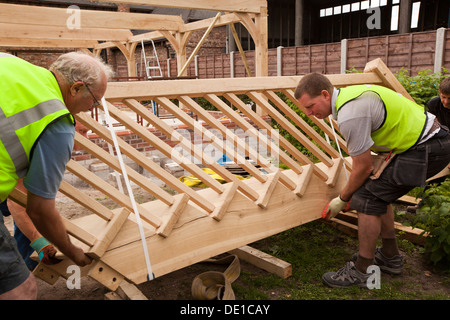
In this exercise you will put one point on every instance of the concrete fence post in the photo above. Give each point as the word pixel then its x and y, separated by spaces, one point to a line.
pixel 196 65
pixel 440 49
pixel 279 61
pixel 232 64
pixel 344 44
pixel 168 67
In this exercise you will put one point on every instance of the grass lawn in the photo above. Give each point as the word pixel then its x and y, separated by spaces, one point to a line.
pixel 316 248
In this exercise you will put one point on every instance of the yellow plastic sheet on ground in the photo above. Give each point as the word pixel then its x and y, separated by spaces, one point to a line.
pixel 193 181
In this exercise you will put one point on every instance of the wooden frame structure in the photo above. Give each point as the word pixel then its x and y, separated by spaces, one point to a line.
pixel 194 225
pixel 33 26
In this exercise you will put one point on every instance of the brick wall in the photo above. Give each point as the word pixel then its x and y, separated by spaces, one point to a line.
pixel 37 56
pixel 215 44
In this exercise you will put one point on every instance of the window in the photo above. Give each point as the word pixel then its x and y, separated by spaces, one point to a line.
pixel 415 15
pixel 364 5
pixel 394 18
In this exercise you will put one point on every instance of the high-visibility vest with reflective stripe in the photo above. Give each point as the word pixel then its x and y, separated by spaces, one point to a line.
pixel 404 121
pixel 30 100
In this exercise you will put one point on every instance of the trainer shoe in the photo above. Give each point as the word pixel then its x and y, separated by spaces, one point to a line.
pixel 392 265
pixel 345 277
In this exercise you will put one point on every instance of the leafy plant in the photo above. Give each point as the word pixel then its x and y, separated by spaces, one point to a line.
pixel 422 87
pixel 434 218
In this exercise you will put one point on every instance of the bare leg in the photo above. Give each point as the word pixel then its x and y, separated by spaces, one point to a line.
pixel 387 223
pixel 26 291
pixel 369 228
pixel 390 246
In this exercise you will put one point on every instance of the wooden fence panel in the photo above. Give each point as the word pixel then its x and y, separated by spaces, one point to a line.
pixel 413 51
pixel 446 59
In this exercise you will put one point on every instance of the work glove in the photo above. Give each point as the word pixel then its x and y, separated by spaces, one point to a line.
pixel 45 250
pixel 334 207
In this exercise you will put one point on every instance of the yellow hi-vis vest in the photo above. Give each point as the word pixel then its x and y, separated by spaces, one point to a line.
pixel 30 100
pixel 404 121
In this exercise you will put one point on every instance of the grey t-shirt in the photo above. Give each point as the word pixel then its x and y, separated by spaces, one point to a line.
pixel 357 122
pixel 50 156
pixel 360 118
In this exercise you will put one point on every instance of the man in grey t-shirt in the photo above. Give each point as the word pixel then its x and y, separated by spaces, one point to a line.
pixel 367 122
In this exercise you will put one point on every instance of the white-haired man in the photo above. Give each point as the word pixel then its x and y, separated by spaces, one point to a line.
pixel 36 116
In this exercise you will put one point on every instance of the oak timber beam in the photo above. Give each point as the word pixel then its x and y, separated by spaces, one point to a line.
pixel 21 31
pixel 153 35
pixel 107 45
pixel 388 79
pixel 46 16
pixel 241 50
pixel 223 20
pixel 261 44
pixel 147 90
pixel 264 261
pixel 46 43
pixel 214 5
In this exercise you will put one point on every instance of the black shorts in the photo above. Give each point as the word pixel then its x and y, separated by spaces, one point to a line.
pixel 406 171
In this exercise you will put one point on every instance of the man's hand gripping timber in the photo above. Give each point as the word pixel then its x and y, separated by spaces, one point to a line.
pixel 334 207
